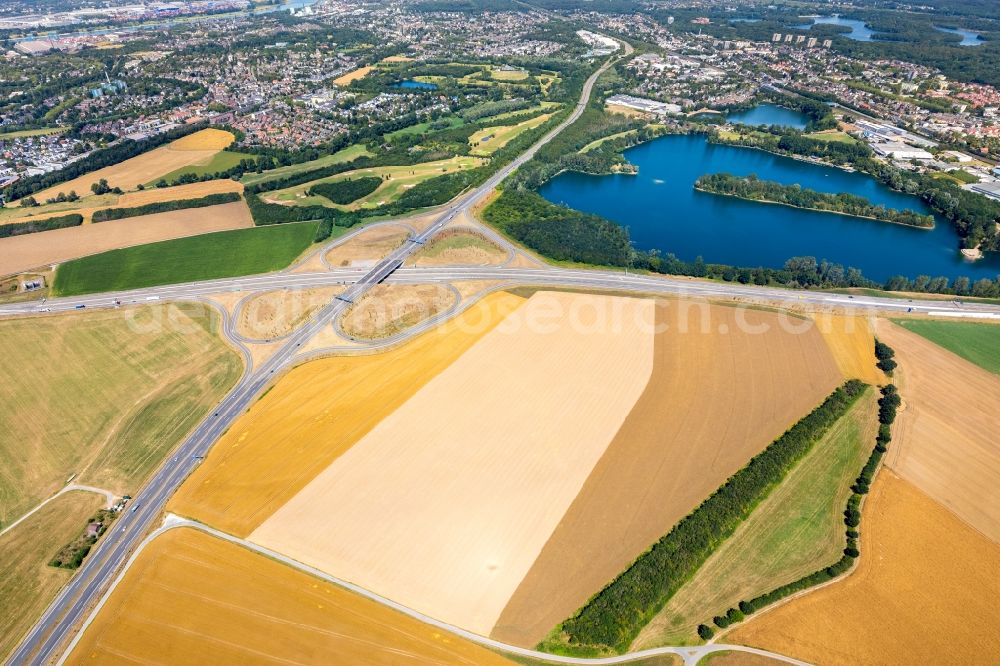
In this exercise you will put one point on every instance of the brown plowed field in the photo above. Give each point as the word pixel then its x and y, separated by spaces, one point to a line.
pixel 368 247
pixel 21 253
pixel 925 592
pixel 277 313
pixel 390 309
pixel 714 400
pixel 948 444
pixel 194 599
pixel 188 150
pixel 314 414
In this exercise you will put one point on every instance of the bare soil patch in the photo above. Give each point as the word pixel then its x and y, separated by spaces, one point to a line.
pixel 21 253
pixel 924 592
pixel 368 247
pixel 947 432
pixel 277 313
pixel 714 400
pixel 390 309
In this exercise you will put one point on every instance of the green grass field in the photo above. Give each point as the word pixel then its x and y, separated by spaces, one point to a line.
pixel 975 342
pixel 596 143
pixel 957 176
pixel 206 257
pixel 542 107
pixel 491 139
pixel 27 583
pixel 345 155
pixel 833 135
pixel 102 395
pixel 795 531
pixel 221 161
pixel 422 128
pixel 35 132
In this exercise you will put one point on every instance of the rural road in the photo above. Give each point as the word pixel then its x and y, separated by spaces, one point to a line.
pixel 63 617
pixel 690 654
pixel 109 498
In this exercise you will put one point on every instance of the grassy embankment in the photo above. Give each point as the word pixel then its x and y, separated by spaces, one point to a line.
pixel 206 257
pixel 975 342
pixel 491 139
pixel 795 531
pixel 345 155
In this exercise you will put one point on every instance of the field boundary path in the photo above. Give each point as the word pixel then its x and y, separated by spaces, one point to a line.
pixel 108 495
pixel 690 654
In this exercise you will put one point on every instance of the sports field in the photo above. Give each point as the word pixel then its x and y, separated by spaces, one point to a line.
pixel 456 545
pixel 797 530
pixel 21 253
pixel 345 155
pixel 127 386
pixel 204 257
pixel 191 149
pixel 491 139
pixel 27 583
pixel 192 598
pixel 718 394
pixel 315 413
pixel 397 179
pixel 924 592
pixel 975 342
pixel 945 439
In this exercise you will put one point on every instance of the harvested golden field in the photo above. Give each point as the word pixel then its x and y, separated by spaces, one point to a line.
pixel 946 433
pixel 352 76
pixel 315 413
pixel 188 150
pixel 368 247
pixel 924 592
pixel 193 598
pixel 467 479
pixel 27 583
pixel 719 393
pixel 103 395
pixel 390 309
pixel 852 341
pixel 278 313
pixel 459 247
pixel 21 253
pixel 737 658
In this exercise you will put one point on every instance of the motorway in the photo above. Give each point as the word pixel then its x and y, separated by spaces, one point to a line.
pixel 57 625
pixel 41 644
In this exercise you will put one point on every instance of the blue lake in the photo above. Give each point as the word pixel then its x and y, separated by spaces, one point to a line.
pixel 663 211
pixel 416 85
pixel 859 31
pixel 769 114
pixel 969 38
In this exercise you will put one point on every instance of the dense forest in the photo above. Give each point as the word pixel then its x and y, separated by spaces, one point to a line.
pixel 752 188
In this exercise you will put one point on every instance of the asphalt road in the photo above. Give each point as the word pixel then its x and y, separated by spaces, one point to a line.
pixel 64 615
pixel 56 625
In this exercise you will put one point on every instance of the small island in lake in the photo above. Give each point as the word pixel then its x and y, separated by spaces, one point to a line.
pixel 752 188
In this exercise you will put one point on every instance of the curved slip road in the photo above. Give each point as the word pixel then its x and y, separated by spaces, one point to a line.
pixel 41 644
pixel 691 655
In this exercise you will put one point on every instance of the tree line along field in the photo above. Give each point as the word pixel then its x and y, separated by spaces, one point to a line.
pixel 27 583
pixel 346 155
pixel 221 161
pixel 491 139
pixel 203 257
pixel 191 597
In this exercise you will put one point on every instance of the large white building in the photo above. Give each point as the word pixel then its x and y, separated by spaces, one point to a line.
pixel 644 105
pixel 901 151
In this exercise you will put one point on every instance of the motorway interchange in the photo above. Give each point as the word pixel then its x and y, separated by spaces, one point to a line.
pixel 47 640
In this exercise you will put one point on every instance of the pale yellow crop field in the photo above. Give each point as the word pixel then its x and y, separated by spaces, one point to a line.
pixel 188 150
pixel 314 414
pixel 352 76
pixel 194 599
pixel 852 341
pixel 467 479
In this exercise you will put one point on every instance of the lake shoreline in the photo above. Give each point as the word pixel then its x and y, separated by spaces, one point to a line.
pixel 815 210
